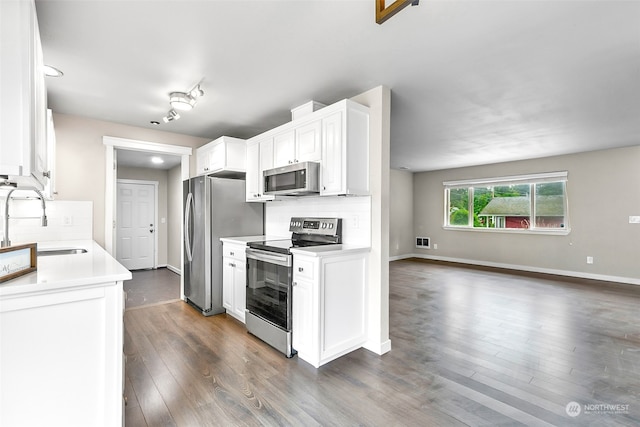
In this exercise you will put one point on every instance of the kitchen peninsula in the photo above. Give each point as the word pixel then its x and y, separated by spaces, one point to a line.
pixel 62 337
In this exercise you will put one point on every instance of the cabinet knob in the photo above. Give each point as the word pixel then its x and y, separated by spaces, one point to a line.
pixel 46 174
pixel 231 264
pixel 300 269
pixel 231 253
pixel 294 283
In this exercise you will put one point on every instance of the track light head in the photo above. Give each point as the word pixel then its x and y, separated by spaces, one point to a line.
pixel 171 116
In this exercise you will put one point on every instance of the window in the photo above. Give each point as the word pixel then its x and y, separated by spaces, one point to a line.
pixel 525 203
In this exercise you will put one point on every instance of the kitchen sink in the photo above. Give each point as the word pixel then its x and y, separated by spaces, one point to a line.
pixel 61 251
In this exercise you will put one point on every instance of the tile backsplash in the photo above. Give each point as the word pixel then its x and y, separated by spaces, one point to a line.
pixel 354 211
pixel 67 220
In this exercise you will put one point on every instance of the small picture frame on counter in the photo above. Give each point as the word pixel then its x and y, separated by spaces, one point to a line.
pixel 18 260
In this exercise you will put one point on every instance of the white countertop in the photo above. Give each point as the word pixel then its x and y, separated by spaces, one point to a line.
pixel 243 240
pixel 330 250
pixel 58 272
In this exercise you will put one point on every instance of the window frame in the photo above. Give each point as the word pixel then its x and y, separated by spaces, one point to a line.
pixel 531 179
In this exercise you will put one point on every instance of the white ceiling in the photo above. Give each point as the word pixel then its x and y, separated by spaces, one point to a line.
pixel 142 159
pixel 472 82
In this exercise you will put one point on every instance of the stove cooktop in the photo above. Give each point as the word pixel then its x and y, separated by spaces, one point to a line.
pixel 305 232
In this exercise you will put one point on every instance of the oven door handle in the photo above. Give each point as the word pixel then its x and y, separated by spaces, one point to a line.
pixel 270 257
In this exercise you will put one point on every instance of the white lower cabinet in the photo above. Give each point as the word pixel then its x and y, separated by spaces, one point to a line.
pixel 234 280
pixel 328 305
pixel 63 352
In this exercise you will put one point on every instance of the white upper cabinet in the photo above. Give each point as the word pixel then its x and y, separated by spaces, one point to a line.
pixel 284 148
pixel 309 142
pixel 345 150
pixel 337 136
pixel 300 144
pixel 23 104
pixel 259 158
pixel 223 157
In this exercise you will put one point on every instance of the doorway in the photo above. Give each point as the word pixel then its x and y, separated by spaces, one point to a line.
pixel 136 221
pixel 112 144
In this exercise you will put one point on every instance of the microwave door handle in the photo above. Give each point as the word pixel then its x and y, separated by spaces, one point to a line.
pixel 187 216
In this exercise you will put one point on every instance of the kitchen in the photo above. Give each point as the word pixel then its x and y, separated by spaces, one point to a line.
pixel 79 180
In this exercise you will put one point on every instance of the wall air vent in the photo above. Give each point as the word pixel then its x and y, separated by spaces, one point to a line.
pixel 423 242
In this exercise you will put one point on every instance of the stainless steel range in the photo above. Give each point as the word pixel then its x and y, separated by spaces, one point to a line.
pixel 269 278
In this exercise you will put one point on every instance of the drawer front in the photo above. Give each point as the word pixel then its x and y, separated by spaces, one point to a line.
pixel 234 251
pixel 303 269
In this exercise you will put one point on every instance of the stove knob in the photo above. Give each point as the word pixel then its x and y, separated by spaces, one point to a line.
pixel 330 226
pixel 324 225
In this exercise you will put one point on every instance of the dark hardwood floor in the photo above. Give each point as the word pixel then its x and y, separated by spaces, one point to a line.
pixel 148 287
pixel 469 347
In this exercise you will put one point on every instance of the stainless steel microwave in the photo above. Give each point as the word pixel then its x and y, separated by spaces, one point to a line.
pixel 293 180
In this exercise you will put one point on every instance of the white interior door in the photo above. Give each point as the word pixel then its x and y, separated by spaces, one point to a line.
pixel 135 219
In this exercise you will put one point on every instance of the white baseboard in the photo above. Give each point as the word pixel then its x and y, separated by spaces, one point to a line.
pixel 379 348
pixel 174 269
pixel 567 273
pixel 399 257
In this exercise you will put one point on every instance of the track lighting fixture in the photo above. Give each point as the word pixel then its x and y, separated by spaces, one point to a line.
pixel 183 101
pixel 171 116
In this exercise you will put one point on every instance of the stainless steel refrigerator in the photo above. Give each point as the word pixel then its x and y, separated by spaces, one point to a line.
pixel 213 208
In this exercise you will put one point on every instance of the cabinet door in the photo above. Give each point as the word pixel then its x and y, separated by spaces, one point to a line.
pixel 204 159
pixel 309 142
pixel 239 290
pixel 253 170
pixel 23 104
pixel 302 322
pixel 228 271
pixel 284 149
pixel 217 157
pixel 332 171
pixel 40 145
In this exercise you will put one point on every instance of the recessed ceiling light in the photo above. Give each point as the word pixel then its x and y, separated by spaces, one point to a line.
pixel 157 160
pixel 50 71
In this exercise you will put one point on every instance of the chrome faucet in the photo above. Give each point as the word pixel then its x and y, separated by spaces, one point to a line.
pixel 5 240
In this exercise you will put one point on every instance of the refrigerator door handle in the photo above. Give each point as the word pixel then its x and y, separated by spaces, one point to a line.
pixel 187 215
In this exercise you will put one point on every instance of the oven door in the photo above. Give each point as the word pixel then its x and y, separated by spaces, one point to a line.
pixel 269 287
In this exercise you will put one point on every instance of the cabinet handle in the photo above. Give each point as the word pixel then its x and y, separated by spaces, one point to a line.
pixel 231 253
pixel 300 269
pixel 46 174
pixel 231 264
pixel 324 187
pixel 295 160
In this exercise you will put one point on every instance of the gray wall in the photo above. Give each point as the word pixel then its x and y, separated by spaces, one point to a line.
pixel 603 191
pixel 81 158
pixel 400 214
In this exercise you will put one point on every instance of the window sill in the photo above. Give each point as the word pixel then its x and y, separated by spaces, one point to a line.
pixel 541 231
